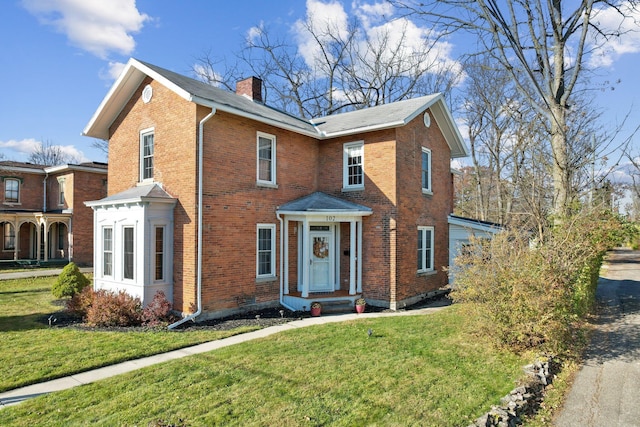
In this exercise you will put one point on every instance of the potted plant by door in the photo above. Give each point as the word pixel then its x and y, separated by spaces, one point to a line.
pixel 316 309
pixel 360 303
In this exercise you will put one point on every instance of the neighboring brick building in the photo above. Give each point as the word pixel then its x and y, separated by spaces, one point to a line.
pixel 226 204
pixel 42 214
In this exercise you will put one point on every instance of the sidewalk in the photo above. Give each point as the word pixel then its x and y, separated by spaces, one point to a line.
pixel 13 397
pixel 38 272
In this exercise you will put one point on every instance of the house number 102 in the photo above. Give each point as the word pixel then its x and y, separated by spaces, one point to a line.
pixel 331 218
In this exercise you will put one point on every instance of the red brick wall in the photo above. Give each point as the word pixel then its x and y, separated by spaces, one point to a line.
pixel 31 191
pixel 417 209
pixel 234 204
pixel 86 186
pixel 175 122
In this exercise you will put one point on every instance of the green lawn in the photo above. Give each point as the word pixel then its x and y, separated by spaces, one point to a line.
pixel 424 370
pixel 32 352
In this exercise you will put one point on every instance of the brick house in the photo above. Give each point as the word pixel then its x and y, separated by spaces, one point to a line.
pixel 42 215
pixel 227 204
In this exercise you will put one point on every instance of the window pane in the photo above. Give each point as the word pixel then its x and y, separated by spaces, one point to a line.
pixel 159 253
pixel 147 156
pixel 354 165
pixel 11 191
pixel 265 159
pixel 428 243
pixel 425 170
pixel 128 253
pixel 420 251
pixel 107 251
pixel 265 255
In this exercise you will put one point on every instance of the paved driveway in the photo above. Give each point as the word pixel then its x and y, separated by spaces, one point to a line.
pixel 606 391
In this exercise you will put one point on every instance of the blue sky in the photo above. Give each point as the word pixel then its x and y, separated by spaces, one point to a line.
pixel 61 56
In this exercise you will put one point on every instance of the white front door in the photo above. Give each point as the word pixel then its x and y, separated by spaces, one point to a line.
pixel 321 271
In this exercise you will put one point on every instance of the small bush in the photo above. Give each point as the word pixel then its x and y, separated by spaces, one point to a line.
pixel 69 282
pixel 158 311
pixel 80 302
pixel 114 309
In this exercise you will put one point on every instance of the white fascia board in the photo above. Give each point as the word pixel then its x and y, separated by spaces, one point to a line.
pixel 381 126
pixel 22 170
pixel 132 201
pixel 64 168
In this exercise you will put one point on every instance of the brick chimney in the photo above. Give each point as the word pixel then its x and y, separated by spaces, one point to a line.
pixel 251 88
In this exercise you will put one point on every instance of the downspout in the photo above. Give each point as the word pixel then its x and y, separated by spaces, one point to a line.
pixel 199 256
pixel 282 233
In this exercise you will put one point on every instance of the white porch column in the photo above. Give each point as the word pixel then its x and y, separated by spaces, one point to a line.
pixel 352 258
pixel 38 241
pixel 360 257
pixel 16 241
pixel 46 241
pixel 305 258
pixel 285 253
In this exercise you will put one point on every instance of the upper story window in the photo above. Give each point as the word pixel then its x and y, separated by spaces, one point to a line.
pixel 60 191
pixel 426 171
pixel 425 249
pixel 353 165
pixel 146 154
pixel 266 146
pixel 11 190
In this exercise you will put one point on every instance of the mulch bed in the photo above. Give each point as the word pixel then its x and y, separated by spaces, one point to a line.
pixel 261 318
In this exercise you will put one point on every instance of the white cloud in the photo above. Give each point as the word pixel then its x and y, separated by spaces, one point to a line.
pixel 113 71
pixel 20 150
pixel 326 20
pixel 207 75
pixel 610 20
pixel 97 26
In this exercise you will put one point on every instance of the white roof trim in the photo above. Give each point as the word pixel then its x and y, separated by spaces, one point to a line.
pixel 474 225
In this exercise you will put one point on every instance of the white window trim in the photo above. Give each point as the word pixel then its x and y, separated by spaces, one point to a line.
pixel 271 227
pixel 273 182
pixel 164 253
pixel 345 165
pixel 104 251
pixel 11 203
pixel 429 189
pixel 144 132
pixel 423 230
pixel 61 197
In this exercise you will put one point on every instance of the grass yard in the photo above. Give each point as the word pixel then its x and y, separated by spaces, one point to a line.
pixel 32 352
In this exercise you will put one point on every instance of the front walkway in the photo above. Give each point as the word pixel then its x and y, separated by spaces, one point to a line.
pixel 13 397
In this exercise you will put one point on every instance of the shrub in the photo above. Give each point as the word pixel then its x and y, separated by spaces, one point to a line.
pixel 69 282
pixel 80 302
pixel 158 311
pixel 114 309
pixel 531 297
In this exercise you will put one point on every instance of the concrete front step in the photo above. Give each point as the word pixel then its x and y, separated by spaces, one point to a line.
pixel 338 306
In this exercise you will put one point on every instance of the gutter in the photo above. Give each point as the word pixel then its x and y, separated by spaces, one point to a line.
pixel 282 233
pixel 199 256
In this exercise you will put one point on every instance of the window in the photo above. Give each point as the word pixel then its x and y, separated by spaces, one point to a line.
pixel 61 191
pixel 9 237
pixel 353 169
pixel 266 158
pixel 107 251
pixel 425 249
pixel 426 170
pixel 146 154
pixel 128 253
pixel 159 254
pixel 12 191
pixel 266 247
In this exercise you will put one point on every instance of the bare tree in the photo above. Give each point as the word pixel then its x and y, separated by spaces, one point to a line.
pixel 48 154
pixel 338 70
pixel 544 46
pixel 101 145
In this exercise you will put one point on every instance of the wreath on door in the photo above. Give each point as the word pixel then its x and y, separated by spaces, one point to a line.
pixel 320 247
